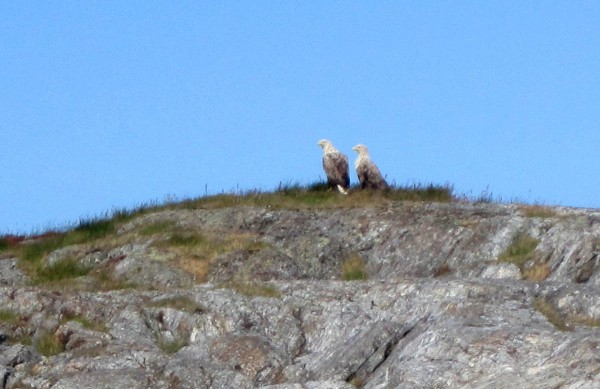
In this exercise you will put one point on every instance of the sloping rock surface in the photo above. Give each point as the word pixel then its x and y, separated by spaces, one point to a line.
pixel 437 310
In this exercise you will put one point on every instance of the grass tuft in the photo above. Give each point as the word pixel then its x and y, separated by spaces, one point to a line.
pixel 61 270
pixel 539 211
pixel 321 196
pixel 48 345
pixel 35 250
pixel 4 245
pixel 585 321
pixel 443 270
pixel 253 289
pixel 357 382
pixel 551 314
pixel 537 272
pixel 10 242
pixel 419 192
pixel 104 281
pixel 86 323
pixel 190 240
pixel 156 228
pixel 9 317
pixel 171 347
pixel 520 251
pixel 195 251
pixel 93 229
pixel 353 268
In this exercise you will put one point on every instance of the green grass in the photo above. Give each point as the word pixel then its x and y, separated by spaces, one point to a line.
pixel 192 240
pixel 319 196
pixel 560 321
pixel 353 269
pixel 10 317
pixel 104 281
pixel 33 251
pixel 84 232
pixel 36 250
pixel 171 347
pixel 94 229
pixel 195 246
pixel 538 211
pixel 23 339
pixel 48 345
pixel 426 193
pixel 253 289
pixel 156 228
pixel 61 270
pixel 585 321
pixel 86 323
pixel 196 251
pixel 520 251
pixel 551 314
pixel 10 242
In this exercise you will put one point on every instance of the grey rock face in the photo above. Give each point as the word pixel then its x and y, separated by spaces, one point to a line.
pixel 10 274
pixel 437 309
pixel 502 271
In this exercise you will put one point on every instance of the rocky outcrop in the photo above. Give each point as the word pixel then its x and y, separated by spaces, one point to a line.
pixel 437 308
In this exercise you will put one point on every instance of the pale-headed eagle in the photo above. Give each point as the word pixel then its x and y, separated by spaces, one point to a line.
pixel 368 174
pixel 335 165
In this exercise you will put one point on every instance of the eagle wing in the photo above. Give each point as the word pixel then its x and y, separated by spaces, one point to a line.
pixel 336 168
pixel 369 176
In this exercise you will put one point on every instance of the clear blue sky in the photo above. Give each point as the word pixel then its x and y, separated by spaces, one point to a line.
pixel 113 104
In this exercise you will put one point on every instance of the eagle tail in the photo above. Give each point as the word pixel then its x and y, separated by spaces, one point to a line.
pixel 342 190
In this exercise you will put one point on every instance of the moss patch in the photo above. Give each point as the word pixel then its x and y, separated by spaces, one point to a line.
pixel 353 268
